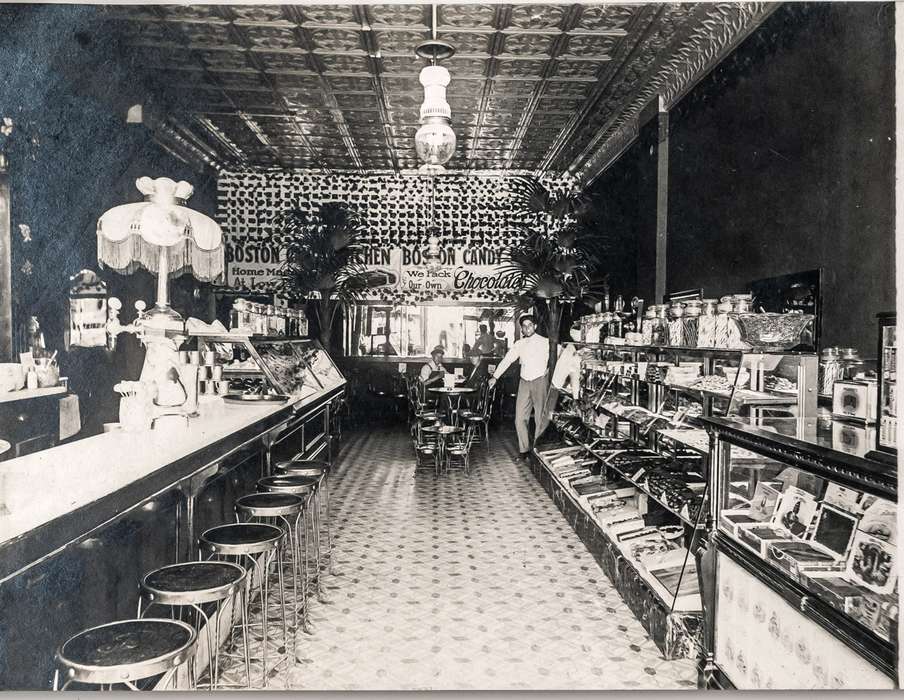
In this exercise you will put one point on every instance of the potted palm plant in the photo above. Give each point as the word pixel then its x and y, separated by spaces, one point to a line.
pixel 557 259
pixel 322 260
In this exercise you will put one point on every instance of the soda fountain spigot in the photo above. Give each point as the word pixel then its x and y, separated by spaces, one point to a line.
pixel 114 327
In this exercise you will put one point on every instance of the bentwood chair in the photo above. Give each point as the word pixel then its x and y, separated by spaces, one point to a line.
pixel 426 448
pixel 458 449
pixel 480 421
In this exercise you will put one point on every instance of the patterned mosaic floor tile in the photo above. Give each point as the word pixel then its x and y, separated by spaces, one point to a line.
pixel 463 582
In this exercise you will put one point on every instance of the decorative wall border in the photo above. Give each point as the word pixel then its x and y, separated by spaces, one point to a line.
pixel 721 28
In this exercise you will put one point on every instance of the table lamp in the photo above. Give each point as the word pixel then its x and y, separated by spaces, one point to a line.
pixel 163 236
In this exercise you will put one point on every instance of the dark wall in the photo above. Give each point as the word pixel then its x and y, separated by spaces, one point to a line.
pixel 71 157
pixel 625 210
pixel 783 160
pixel 71 154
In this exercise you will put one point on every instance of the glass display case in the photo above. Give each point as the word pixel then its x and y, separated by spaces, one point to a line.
pixel 887 408
pixel 260 365
pixel 802 555
pixel 653 398
pixel 636 455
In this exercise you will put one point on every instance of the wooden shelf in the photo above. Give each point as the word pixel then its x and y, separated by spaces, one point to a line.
pixel 25 394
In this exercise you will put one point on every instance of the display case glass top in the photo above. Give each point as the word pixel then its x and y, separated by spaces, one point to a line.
pixel 296 367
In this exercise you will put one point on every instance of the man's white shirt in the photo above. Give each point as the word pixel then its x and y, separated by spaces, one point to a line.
pixel 532 353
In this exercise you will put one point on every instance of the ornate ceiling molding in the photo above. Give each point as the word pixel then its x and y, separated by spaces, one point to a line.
pixel 618 143
pixel 713 36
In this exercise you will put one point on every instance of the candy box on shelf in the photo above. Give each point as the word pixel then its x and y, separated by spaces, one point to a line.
pixel 854 400
pixel 730 520
pixel 834 589
pixel 758 537
pixel 876 612
pixel 798 556
pixel 632 525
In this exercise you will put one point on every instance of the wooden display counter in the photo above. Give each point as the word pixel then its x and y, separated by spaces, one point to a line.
pixel 80 523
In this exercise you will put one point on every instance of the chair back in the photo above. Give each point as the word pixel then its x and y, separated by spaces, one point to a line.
pixel 488 399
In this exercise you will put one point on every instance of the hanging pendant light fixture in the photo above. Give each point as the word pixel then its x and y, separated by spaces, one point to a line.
pixel 435 139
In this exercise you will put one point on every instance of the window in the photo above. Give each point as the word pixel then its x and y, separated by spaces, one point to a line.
pixel 413 331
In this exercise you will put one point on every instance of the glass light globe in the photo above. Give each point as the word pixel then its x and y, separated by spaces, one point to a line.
pixel 435 141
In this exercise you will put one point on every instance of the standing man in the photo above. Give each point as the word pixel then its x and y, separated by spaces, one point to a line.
pixel 532 351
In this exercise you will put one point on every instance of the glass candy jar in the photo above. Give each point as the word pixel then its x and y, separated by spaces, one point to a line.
pixel 676 324
pixel 646 325
pixel 692 311
pixel 706 324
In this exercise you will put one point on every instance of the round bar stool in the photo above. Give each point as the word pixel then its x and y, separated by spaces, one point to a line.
pixel 287 511
pixel 125 653
pixel 190 586
pixel 260 546
pixel 321 468
pixel 306 487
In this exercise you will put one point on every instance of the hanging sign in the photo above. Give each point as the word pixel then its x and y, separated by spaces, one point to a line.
pixel 253 265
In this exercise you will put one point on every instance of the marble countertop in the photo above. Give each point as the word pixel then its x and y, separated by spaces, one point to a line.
pixel 37 488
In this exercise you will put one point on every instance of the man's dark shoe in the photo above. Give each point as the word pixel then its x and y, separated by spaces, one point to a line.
pixel 524 456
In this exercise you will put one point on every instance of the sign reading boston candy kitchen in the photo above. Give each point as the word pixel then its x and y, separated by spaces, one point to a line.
pixel 391 272
pixel 474 212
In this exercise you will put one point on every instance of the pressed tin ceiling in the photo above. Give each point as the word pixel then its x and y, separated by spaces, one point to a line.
pixel 535 87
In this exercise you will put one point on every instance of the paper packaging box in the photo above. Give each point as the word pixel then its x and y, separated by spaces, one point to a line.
pixel 759 537
pixel 854 401
pixel 877 612
pixel 632 525
pixel 731 519
pixel 795 557
pixel 626 491
pixel 836 591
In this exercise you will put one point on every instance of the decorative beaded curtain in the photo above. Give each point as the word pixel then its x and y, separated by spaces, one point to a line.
pixel 473 212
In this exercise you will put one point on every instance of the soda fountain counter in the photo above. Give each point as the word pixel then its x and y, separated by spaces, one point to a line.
pixel 80 522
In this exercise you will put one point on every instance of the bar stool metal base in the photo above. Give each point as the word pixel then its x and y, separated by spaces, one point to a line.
pixel 191 585
pixel 259 546
pixel 312 467
pixel 307 487
pixel 288 512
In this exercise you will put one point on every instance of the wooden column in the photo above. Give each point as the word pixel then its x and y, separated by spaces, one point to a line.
pixel 6 255
pixel 662 204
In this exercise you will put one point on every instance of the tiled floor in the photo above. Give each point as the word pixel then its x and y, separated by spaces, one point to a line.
pixel 464 582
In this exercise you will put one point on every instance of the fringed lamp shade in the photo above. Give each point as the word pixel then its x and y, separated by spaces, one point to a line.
pixel 132 235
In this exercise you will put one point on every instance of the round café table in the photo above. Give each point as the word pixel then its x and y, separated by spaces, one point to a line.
pixel 441 431
pixel 453 395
